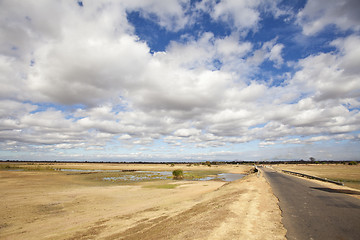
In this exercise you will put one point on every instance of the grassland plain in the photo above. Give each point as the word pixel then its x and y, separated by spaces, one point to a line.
pixel 39 203
pixel 348 174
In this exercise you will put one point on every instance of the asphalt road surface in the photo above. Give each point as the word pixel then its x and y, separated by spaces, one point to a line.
pixel 312 211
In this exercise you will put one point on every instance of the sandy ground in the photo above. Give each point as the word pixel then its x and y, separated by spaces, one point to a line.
pixel 53 205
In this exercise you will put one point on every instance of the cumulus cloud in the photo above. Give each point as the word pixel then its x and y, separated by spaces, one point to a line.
pixel 333 75
pixel 186 132
pixel 87 82
pixel 271 51
pixel 318 14
pixel 169 14
pixel 86 70
pixel 243 14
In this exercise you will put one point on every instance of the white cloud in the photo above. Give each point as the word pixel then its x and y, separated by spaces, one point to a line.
pixel 204 52
pixel 87 82
pixel 86 70
pixel 176 89
pixel 317 14
pixel 186 132
pixel 243 14
pixel 170 14
pixel 349 54
pixel 266 143
pixel 24 25
pixel 331 75
pixel 12 78
pixel 275 54
pixel 269 50
pixel 230 47
pixel 14 110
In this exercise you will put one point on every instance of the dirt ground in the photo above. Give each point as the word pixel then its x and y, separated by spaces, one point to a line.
pixel 54 205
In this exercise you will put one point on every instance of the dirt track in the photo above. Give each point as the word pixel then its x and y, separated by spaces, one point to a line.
pixel 42 205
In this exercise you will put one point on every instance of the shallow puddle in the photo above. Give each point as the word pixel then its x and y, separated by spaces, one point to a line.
pixel 140 176
pixel 86 170
pixel 229 177
pixel 167 175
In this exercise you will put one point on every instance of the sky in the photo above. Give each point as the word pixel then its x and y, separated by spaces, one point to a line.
pixel 177 80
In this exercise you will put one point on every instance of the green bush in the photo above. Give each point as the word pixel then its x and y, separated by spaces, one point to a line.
pixel 207 163
pixel 353 163
pixel 178 174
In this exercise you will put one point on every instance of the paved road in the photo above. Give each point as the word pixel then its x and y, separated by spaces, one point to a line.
pixel 312 211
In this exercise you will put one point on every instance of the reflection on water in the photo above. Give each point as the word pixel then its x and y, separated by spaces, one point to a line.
pixel 136 176
pixel 142 176
pixel 86 170
pixel 229 177
pixel 164 175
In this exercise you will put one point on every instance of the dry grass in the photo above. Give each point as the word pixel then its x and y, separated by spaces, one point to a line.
pixel 349 174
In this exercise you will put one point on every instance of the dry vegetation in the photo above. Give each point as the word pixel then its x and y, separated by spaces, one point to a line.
pixel 348 174
pixel 45 204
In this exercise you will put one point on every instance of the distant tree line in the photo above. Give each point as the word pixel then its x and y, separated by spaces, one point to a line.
pixel 206 163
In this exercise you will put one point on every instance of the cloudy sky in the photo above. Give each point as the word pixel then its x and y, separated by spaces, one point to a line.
pixel 178 80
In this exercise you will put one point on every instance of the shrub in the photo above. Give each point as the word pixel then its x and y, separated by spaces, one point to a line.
pixel 253 170
pixel 353 163
pixel 178 174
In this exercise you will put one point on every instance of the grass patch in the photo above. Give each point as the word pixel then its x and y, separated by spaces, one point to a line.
pixel 200 174
pixel 349 182
pixel 348 174
pixel 25 167
pixel 7 166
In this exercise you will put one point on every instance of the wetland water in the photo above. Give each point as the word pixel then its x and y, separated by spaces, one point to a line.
pixel 229 177
pixel 166 175
pixel 86 170
pixel 140 176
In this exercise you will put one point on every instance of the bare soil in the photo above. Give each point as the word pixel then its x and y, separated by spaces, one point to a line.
pixel 58 205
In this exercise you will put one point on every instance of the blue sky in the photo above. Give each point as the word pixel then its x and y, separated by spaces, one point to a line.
pixel 179 80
